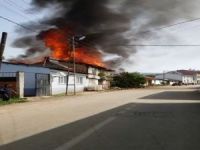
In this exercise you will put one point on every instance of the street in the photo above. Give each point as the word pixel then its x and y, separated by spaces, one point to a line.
pixel 138 119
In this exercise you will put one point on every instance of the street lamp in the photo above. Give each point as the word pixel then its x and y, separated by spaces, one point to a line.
pixel 74 39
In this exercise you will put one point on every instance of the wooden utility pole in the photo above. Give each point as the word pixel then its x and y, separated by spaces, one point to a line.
pixel 2 46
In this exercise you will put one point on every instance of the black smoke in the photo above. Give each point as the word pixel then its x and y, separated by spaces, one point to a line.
pixel 107 24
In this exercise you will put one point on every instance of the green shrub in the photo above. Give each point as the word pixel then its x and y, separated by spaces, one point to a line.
pixel 128 80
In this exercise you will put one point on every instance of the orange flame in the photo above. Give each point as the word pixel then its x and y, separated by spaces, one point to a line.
pixel 58 41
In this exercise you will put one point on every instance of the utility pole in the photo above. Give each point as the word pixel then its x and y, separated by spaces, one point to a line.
pixel 2 46
pixel 67 82
pixel 74 39
pixel 74 62
pixel 164 76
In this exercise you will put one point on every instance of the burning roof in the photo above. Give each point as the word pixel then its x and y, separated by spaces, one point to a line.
pixel 68 66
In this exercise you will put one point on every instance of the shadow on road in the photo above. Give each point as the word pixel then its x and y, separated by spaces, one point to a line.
pixel 136 126
pixel 175 95
pixel 52 139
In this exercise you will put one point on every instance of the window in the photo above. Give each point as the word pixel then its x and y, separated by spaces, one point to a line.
pixel 62 80
pixel 94 71
pixel 79 80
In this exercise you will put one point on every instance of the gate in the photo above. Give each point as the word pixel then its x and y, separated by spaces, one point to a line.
pixel 43 86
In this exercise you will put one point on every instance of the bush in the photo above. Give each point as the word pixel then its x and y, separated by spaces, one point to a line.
pixel 128 80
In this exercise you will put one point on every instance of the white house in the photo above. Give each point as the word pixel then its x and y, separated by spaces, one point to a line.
pixel 59 82
pixel 198 77
pixel 188 76
pixel 87 77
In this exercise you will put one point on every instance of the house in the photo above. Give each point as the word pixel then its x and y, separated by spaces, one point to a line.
pixel 188 76
pixel 170 77
pixel 32 76
pixel 52 78
pixel 198 77
pixel 149 81
pixel 179 76
pixel 87 77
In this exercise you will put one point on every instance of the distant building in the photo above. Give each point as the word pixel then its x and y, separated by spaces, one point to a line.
pixel 198 77
pixel 180 76
pixel 188 76
pixel 150 81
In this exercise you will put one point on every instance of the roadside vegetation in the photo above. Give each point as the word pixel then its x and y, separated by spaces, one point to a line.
pixel 128 80
pixel 12 101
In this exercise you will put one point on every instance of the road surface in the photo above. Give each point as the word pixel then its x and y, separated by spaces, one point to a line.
pixel 153 119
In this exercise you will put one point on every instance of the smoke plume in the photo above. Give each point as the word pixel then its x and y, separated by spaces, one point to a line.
pixel 109 25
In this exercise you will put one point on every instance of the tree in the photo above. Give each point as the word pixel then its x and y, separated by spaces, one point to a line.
pixel 128 80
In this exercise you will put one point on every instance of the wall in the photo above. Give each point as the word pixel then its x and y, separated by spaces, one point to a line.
pixel 188 79
pixel 60 88
pixel 93 79
pixel 198 78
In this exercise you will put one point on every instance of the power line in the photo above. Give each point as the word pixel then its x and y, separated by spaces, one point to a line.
pixel 155 45
pixel 14 11
pixel 15 5
pixel 160 28
pixel 131 45
pixel 22 26
pixel 172 25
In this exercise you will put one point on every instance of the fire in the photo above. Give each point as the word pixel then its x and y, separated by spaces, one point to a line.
pixel 58 41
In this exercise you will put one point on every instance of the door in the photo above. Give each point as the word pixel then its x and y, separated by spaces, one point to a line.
pixel 43 86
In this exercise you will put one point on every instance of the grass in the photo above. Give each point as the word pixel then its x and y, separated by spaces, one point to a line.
pixel 12 101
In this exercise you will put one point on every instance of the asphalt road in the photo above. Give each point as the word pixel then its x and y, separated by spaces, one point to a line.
pixel 158 120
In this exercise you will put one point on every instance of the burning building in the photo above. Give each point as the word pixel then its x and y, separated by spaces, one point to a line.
pixel 53 79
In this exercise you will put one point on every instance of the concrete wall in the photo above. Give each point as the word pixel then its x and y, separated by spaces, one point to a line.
pixel 29 75
pixel 197 78
pixel 60 88
pixel 188 79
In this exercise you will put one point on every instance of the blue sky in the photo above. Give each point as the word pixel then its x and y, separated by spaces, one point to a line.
pixel 147 59
pixel 17 11
pixel 17 14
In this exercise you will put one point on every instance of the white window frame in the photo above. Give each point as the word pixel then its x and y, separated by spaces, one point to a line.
pixel 79 80
pixel 62 80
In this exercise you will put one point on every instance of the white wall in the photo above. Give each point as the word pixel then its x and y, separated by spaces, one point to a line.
pixel 188 79
pixel 60 88
pixel 94 71
pixel 198 78
pixel 157 82
pixel 93 78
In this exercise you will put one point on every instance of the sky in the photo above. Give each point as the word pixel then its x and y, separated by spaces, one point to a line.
pixel 147 59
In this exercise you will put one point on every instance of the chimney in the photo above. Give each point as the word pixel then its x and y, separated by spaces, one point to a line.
pixel 2 46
